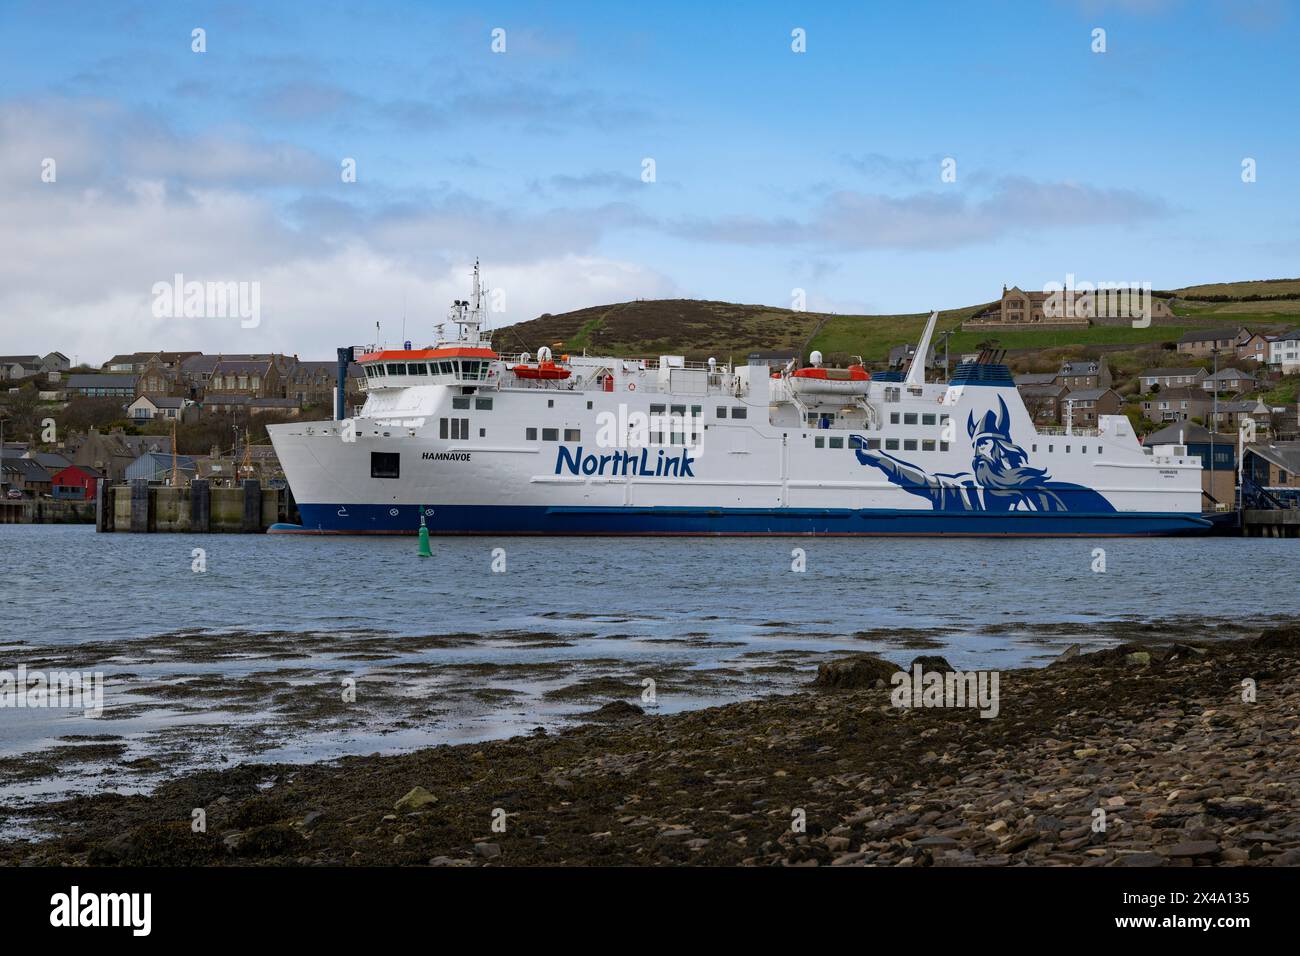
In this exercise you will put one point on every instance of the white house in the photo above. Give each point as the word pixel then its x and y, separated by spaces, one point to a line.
pixel 148 407
pixel 1284 351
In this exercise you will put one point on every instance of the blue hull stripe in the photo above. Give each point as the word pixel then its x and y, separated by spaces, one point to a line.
pixel 545 520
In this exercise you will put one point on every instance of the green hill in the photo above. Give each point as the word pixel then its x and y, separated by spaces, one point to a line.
pixel 699 328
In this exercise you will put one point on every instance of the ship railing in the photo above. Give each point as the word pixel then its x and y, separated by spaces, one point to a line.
pixel 1068 433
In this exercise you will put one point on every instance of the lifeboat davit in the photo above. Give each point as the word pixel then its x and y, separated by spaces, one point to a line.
pixel 816 380
pixel 542 370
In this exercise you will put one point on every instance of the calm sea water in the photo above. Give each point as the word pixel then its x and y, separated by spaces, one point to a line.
pixel 64 584
pixel 716 619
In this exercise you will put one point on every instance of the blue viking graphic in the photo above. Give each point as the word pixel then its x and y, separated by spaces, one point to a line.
pixel 999 479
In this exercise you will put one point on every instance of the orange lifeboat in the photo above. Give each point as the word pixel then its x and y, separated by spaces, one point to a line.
pixel 816 380
pixel 542 370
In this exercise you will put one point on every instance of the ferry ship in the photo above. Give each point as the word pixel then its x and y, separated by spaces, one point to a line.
pixel 462 439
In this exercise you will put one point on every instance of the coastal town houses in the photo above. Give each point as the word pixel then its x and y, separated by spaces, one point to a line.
pixel 100 386
pixel 75 483
pixel 1203 343
pixel 1065 309
pixel 251 377
pixel 1083 407
pixel 227 404
pixel 1153 379
pixel 1274 467
pixel 1229 414
pixel 1284 352
pixel 24 474
pixel 1084 375
pixel 156 468
pixel 1042 396
pixel 1252 347
pixel 1176 404
pixel 167 407
pixel 16 367
pixel 1230 380
pixel 111 453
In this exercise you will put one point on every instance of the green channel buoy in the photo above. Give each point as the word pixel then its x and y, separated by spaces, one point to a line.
pixel 424 539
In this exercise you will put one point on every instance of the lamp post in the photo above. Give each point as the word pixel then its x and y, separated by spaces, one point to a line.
pixel 1214 414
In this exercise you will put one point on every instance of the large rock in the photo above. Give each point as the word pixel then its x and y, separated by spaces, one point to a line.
pixel 931 662
pixel 415 799
pixel 1284 638
pixel 860 670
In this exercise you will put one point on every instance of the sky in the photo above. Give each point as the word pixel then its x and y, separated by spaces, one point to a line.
pixel 907 157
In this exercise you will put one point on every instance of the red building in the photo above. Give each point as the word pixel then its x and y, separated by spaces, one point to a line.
pixel 75 483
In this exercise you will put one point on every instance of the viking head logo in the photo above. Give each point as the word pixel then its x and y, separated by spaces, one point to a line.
pixel 999 462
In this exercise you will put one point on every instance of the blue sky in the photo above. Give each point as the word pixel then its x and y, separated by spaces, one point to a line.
pixel 775 170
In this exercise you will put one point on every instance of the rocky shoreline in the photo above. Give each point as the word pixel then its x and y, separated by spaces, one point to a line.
pixel 1154 740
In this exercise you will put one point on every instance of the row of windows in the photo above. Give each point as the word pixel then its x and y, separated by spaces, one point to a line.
pixel 469 369
pixel 480 404
pixel 911 418
pixel 553 434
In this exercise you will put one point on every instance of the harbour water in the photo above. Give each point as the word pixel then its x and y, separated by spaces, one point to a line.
pixel 252 657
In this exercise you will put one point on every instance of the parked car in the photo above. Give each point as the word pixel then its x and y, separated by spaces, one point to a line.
pixel 13 493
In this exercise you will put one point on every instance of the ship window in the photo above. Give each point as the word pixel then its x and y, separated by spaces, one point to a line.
pixel 482 433
pixel 419 368
pixel 483 404
pixel 589 406
pixel 550 434
pixel 396 368
pixel 891 444
pixel 442 428
pixel 658 409
pixel 927 444
pixel 909 444
pixel 739 412
pixel 1050 448
pixel 678 410
pixel 697 411
pixel 909 418
pixel 446 368
pixel 676 438
pixel 1067 449
pixel 943 419
pixel 460 401
pixel 943 446
pixel 550 403
pixel 1033 448
pixel 385 464
pixel 722 411
pixel 927 419
pixel 573 434
pixel 837 442
pixel 893 418
pixel 819 442
pixel 873 443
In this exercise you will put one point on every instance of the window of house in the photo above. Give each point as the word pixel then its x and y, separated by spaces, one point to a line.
pixel 573 434
pixel 550 434
pixel 385 464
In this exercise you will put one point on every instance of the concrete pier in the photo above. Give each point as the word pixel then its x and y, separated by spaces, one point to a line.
pixel 1271 523
pixel 199 508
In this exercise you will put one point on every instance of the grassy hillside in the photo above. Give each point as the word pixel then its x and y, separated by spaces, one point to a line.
pixel 696 328
pixel 700 328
